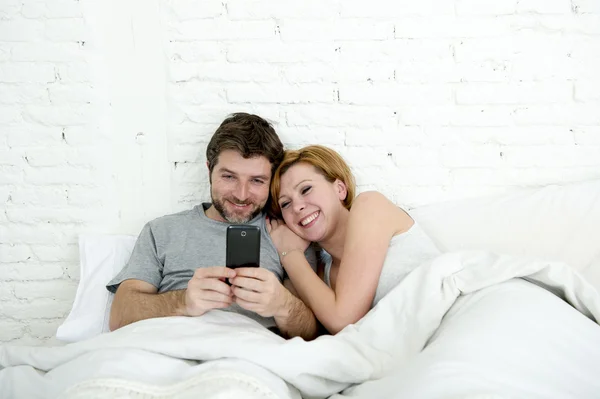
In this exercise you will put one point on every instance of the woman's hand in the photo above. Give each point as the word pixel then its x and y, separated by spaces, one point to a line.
pixel 284 239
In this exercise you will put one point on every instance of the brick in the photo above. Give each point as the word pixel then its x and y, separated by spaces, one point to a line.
pixel 10 330
pixel 218 29
pixel 474 50
pixel 65 30
pixel 58 115
pixel 386 9
pixel 56 253
pixel 544 6
pixel 189 172
pixel 6 292
pixel 52 156
pixel 20 30
pixel 33 9
pixel 26 72
pixel 9 9
pixel 16 233
pixel 44 329
pixel 71 93
pixel 587 135
pixel 277 52
pixel 346 29
pixel 54 289
pixel 223 72
pixel 37 309
pixel 485 7
pixel 197 93
pixel 284 9
pixel 63 9
pixel 73 72
pixel 586 7
pixel 321 72
pixel 450 26
pixel 279 93
pixel 25 271
pixel 557 115
pixel 34 136
pixel 15 252
pixel 195 51
pixel 553 156
pixel 411 156
pixel 404 135
pixel 443 115
pixel 301 136
pixel 23 94
pixel 514 93
pixel 472 156
pixel 531 135
pixel 340 116
pixel 27 215
pixel 59 175
pixel 39 196
pixel 189 9
pixel 395 94
pixel 587 90
pixel 11 158
pixel 10 174
pixel 44 51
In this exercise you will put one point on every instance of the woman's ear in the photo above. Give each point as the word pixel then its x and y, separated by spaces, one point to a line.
pixel 341 189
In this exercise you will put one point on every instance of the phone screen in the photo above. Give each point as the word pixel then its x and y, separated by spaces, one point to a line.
pixel 243 246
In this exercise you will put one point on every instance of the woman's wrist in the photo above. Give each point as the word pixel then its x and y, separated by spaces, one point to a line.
pixel 283 254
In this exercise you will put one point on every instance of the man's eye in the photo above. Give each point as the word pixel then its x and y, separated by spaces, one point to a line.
pixel 227 177
pixel 306 189
pixel 258 181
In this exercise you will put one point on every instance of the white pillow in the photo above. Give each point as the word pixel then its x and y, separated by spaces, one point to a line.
pixel 101 258
pixel 556 222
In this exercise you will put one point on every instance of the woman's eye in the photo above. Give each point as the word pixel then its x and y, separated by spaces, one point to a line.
pixel 284 205
pixel 306 189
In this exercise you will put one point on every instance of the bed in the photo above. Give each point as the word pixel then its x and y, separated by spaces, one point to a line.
pixel 509 310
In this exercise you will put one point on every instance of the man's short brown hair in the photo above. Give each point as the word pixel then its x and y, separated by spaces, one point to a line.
pixel 248 134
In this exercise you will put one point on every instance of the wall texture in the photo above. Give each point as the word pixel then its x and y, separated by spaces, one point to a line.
pixel 106 108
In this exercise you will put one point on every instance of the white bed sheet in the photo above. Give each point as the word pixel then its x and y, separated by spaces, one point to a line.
pixel 511 340
pixel 456 303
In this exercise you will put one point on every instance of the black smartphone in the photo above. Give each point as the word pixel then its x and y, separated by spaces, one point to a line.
pixel 243 246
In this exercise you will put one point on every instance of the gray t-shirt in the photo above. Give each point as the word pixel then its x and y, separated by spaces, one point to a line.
pixel 169 249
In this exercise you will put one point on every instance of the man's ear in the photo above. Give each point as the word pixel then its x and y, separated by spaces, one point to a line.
pixel 341 189
pixel 209 176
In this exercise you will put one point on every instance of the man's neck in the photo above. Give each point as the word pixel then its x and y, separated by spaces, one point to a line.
pixel 212 213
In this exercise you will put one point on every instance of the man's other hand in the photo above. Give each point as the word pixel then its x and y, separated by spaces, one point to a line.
pixel 207 290
pixel 258 290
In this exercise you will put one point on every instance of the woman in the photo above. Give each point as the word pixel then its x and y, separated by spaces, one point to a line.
pixel 370 243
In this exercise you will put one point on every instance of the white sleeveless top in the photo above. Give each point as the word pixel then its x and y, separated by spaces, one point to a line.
pixel 405 253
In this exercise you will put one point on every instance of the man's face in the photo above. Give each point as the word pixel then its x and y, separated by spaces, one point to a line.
pixel 239 186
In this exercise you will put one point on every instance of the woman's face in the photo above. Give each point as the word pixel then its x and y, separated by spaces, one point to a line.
pixel 310 204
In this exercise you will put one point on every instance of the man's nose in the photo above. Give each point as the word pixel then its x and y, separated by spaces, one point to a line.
pixel 242 192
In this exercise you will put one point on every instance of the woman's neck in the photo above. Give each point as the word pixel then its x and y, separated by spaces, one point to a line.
pixel 334 244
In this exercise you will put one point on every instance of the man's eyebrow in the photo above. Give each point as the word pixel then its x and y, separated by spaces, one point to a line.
pixel 231 172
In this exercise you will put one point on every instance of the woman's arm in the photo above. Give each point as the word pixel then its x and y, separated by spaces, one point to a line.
pixel 372 223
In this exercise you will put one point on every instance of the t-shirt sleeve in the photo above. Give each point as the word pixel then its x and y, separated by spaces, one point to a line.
pixel 144 263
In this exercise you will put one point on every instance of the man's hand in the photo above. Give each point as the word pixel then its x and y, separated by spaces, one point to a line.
pixel 258 290
pixel 207 290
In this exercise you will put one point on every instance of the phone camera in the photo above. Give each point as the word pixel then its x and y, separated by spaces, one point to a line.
pixel 243 234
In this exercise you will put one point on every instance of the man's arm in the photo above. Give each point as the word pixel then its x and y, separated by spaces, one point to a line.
pixel 258 290
pixel 138 300
pixel 297 319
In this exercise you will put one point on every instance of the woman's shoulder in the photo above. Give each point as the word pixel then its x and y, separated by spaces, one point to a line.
pixel 381 208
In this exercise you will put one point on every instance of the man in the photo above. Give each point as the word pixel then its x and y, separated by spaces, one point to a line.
pixel 175 267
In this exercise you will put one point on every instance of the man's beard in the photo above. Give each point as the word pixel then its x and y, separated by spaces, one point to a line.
pixel 219 205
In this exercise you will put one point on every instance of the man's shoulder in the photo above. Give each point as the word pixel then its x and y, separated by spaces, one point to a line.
pixel 174 218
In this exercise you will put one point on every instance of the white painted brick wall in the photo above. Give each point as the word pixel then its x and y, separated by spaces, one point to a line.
pixel 104 117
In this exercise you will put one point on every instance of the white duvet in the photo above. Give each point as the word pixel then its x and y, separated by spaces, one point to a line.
pixel 224 355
